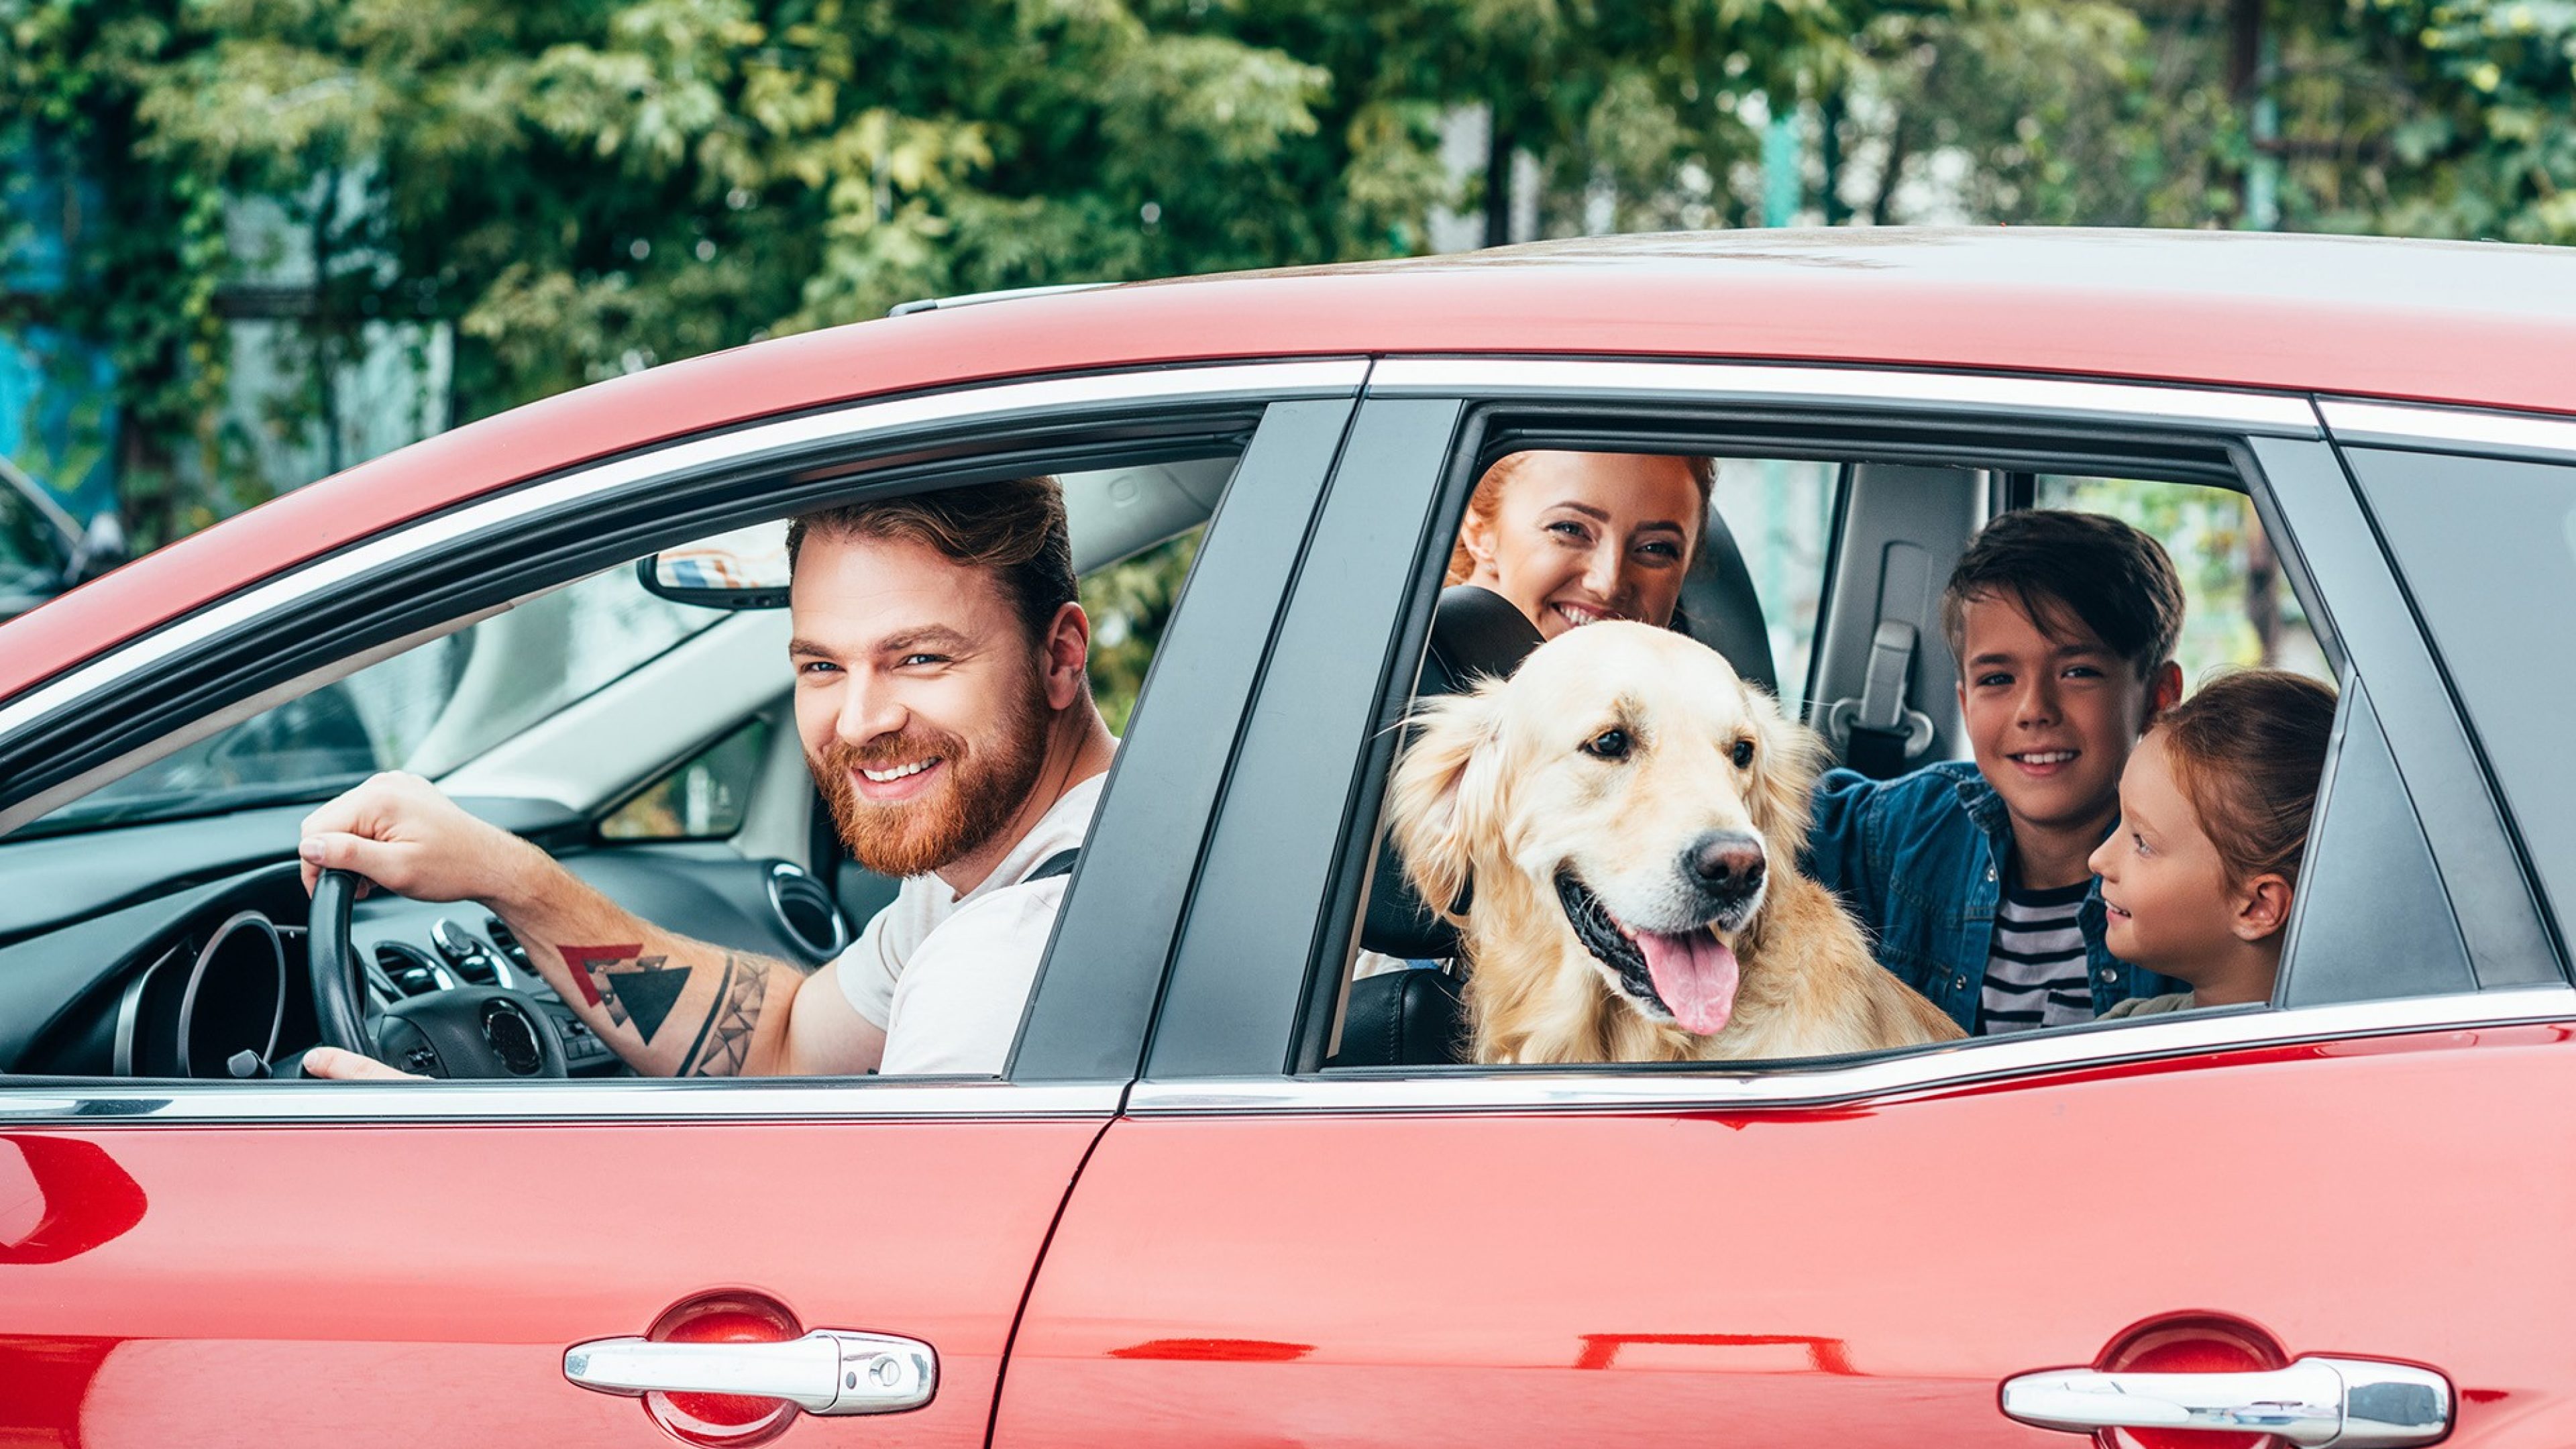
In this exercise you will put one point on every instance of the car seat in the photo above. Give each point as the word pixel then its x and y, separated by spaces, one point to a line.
pixel 1412 1018
pixel 1720 609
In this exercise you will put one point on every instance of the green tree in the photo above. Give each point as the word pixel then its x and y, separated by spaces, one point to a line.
pixel 590 187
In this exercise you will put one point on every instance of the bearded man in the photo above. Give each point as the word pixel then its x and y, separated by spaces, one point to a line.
pixel 945 710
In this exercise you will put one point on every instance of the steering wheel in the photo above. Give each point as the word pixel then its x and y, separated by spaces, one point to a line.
pixel 465 1031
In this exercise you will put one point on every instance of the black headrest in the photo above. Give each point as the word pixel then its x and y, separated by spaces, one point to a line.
pixel 1403 1019
pixel 1475 633
pixel 1721 609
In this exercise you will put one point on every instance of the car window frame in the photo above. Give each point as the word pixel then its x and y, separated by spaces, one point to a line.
pixel 1277 1060
pixel 2359 427
pixel 1287 419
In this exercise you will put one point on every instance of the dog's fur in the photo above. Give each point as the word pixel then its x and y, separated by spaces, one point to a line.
pixel 1498 797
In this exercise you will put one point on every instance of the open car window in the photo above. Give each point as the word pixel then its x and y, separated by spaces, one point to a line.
pixel 426 710
pixel 1412 977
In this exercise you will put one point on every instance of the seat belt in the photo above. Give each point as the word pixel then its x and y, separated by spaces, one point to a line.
pixel 1878 734
pixel 1060 863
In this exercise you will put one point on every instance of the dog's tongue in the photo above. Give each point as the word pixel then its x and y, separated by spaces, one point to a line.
pixel 1695 975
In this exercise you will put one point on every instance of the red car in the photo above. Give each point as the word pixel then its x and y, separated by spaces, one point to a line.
pixel 1225 1195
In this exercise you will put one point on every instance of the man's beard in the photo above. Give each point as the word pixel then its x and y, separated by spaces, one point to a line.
pixel 985 788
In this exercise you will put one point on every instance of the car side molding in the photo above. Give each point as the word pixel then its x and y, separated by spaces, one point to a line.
pixel 1973 1062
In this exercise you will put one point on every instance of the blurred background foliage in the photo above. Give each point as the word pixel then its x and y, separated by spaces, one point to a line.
pixel 1129 603
pixel 561 191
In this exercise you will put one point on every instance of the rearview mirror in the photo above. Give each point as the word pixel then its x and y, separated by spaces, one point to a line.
pixel 744 569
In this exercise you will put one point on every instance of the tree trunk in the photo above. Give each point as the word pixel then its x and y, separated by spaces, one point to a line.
pixel 1881 205
pixel 1830 143
pixel 1498 179
pixel 2263 595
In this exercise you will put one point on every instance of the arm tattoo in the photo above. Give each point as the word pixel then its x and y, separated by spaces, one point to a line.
pixel 627 986
pixel 724 1042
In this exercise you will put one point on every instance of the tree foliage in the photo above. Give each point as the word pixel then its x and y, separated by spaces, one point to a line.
pixel 589 186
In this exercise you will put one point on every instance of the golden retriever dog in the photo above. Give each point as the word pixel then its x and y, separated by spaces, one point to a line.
pixel 1615 832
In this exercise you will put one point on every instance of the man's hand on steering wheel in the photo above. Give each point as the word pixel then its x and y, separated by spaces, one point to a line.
pixel 397 831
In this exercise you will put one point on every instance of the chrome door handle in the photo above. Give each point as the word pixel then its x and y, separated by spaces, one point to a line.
pixel 828 1371
pixel 2347 1403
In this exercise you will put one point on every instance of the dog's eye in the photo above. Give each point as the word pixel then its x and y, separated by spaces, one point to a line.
pixel 1607 745
pixel 1743 754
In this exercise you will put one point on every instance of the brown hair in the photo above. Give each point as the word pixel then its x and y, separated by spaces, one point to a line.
pixel 1016 528
pixel 2248 750
pixel 2115 579
pixel 1487 501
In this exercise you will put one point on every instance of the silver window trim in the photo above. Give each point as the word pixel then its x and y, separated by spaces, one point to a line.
pixel 660 466
pixel 639 1100
pixel 2450 429
pixel 2271 414
pixel 1968 1063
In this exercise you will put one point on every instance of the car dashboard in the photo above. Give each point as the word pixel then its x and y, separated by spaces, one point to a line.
pixel 159 957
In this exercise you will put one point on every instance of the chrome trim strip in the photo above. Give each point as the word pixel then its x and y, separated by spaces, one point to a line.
pixel 280 1103
pixel 1935 1068
pixel 2275 414
pixel 2448 428
pixel 662 465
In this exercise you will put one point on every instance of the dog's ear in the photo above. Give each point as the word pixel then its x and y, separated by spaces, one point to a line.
pixel 1785 784
pixel 1447 792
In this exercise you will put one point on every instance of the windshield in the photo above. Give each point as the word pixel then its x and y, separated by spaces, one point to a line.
pixel 427 710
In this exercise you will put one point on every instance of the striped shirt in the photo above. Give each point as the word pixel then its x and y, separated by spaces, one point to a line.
pixel 2035 973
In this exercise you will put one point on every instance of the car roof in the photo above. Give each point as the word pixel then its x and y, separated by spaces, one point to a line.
pixel 2454 322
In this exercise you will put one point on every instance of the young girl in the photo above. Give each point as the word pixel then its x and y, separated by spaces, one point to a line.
pixel 2198 877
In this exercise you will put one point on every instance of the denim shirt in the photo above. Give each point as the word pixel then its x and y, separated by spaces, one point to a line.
pixel 1920 860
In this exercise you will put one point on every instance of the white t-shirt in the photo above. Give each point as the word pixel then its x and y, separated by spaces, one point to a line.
pixel 947 977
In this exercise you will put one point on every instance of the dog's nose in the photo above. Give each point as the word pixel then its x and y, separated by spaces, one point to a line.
pixel 1728 863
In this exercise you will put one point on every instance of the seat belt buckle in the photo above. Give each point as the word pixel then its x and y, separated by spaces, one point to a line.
pixel 1876 733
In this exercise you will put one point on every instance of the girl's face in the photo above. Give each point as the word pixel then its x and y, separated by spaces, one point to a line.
pixel 1582 537
pixel 2171 908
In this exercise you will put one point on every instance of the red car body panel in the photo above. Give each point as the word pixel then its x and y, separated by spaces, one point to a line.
pixel 418 1285
pixel 1862 1276
pixel 2450 322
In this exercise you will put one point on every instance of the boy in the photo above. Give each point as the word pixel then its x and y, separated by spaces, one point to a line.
pixel 1971 879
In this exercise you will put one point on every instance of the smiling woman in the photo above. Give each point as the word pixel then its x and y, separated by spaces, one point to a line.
pixel 1575 538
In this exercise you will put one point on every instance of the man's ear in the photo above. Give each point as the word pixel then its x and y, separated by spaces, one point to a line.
pixel 2262 907
pixel 1447 793
pixel 1064 657
pixel 2164 691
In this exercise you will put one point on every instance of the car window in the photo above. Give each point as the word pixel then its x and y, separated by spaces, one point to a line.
pixel 2487 547
pixel 703 799
pixel 1130 603
pixel 426 710
pixel 2239 610
pixel 1893 853
pixel 1780 512
pixel 524 714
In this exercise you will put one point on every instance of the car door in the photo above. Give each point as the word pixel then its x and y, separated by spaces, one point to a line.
pixel 1863 1252
pixel 283 1263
